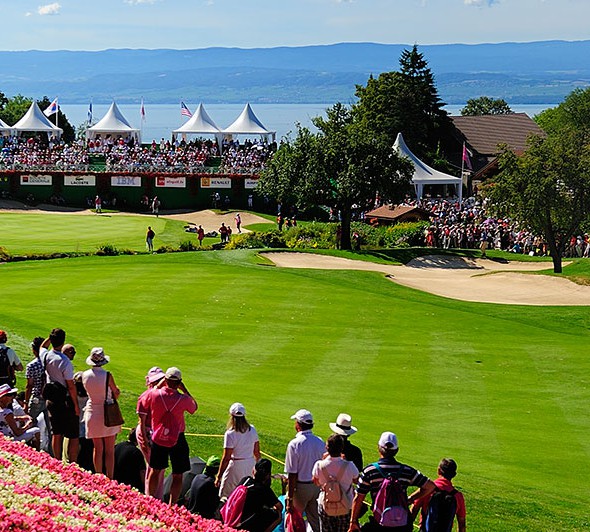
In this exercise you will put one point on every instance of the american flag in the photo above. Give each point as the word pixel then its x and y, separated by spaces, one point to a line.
pixel 184 110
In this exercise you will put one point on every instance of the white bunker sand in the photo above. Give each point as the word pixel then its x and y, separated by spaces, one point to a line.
pixel 459 278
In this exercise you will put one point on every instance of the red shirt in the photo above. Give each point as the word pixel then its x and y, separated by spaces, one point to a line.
pixel 446 485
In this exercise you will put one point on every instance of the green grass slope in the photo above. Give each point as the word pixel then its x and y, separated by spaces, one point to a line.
pixel 504 390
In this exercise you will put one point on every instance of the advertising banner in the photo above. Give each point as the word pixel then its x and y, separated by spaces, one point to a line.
pixel 215 182
pixel 171 182
pixel 36 180
pixel 250 183
pixel 125 181
pixel 80 180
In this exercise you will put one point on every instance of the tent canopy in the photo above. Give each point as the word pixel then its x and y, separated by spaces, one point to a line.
pixel 249 124
pixel 424 174
pixel 5 128
pixel 35 121
pixel 113 123
pixel 200 124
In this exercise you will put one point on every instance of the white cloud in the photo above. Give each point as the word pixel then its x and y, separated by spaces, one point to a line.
pixel 28 14
pixel 49 9
pixel 480 3
pixel 137 2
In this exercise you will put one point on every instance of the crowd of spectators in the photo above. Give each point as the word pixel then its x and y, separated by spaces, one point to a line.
pixel 125 155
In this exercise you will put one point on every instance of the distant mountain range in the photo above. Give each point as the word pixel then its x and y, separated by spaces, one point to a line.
pixel 537 72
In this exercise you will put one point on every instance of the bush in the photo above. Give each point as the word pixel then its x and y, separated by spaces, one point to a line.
pixel 188 245
pixel 4 255
pixel 257 240
pixel 166 249
pixel 314 235
pixel 392 236
pixel 107 250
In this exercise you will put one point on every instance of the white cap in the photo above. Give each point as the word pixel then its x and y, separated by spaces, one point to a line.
pixel 174 374
pixel 388 440
pixel 303 416
pixel 237 409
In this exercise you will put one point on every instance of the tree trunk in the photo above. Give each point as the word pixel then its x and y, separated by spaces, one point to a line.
pixel 554 249
pixel 345 216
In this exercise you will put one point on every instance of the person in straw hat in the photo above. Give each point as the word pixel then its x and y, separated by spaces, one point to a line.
pixel 99 383
pixel 343 426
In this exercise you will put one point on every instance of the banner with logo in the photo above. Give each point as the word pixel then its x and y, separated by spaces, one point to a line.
pixel 171 182
pixel 80 180
pixel 215 182
pixel 36 180
pixel 125 181
pixel 250 183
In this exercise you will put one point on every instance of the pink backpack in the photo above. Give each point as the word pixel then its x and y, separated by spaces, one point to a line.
pixel 231 512
pixel 168 429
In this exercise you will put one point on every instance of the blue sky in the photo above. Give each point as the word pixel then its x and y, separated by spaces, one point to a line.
pixel 101 24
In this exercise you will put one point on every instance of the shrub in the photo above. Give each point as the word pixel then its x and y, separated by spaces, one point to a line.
pixel 187 245
pixel 166 249
pixel 4 255
pixel 108 250
pixel 313 235
pixel 257 240
pixel 393 236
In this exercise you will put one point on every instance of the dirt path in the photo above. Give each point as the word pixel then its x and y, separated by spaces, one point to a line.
pixel 477 280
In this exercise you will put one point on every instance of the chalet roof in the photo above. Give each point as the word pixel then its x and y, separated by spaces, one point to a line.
pixel 392 212
pixel 484 133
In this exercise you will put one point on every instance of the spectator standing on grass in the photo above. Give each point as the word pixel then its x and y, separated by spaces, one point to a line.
pixel 352 453
pixel 167 404
pixel 303 452
pixel 149 239
pixel 64 412
pixel 97 204
pixel 101 388
pixel 238 220
pixel 372 478
pixel 438 506
pixel 335 514
pixel 35 405
pixel 9 362
pixel 200 235
pixel 144 427
pixel 241 451
pixel 223 233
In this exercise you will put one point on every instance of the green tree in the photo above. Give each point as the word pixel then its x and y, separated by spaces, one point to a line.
pixel 405 101
pixel 14 109
pixel 573 112
pixel 484 105
pixel 548 188
pixel 3 102
pixel 341 166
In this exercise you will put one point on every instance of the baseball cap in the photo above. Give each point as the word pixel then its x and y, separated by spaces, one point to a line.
pixel 174 374
pixel 213 461
pixel 388 440
pixel 237 409
pixel 303 416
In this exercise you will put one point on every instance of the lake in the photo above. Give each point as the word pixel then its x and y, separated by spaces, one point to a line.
pixel 162 119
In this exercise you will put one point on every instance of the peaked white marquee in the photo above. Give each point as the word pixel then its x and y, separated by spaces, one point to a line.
pixel 113 123
pixel 249 124
pixel 34 120
pixel 200 124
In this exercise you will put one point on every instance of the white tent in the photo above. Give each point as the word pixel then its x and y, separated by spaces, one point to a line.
pixel 424 174
pixel 248 124
pixel 200 124
pixel 115 124
pixel 5 129
pixel 35 121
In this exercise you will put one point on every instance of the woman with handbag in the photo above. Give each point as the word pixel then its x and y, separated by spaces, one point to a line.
pixel 101 425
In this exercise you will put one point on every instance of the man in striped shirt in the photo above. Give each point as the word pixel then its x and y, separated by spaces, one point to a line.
pixel 373 476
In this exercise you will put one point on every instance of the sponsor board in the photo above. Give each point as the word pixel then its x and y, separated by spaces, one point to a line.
pixel 29 179
pixel 125 181
pixel 80 180
pixel 215 182
pixel 171 182
pixel 250 183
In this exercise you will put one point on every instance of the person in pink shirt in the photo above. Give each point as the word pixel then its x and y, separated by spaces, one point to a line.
pixel 166 404
pixel 447 470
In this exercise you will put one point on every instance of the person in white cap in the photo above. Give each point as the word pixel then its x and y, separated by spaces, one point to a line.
pixel 241 451
pixel 373 476
pixel 303 452
pixel 166 404
pixel 343 426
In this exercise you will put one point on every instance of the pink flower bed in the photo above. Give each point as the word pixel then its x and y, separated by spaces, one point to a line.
pixel 41 494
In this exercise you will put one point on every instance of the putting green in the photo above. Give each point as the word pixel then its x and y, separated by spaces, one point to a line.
pixel 502 389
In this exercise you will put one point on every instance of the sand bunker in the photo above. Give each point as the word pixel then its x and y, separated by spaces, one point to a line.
pixel 478 280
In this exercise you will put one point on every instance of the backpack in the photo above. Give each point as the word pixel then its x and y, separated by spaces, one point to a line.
pixel 231 511
pixel 6 369
pixel 390 507
pixel 335 501
pixel 166 432
pixel 441 511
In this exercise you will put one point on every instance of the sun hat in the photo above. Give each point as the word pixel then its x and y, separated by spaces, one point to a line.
pixel 388 440
pixel 173 374
pixel 97 357
pixel 343 425
pixel 6 389
pixel 154 374
pixel 303 416
pixel 237 410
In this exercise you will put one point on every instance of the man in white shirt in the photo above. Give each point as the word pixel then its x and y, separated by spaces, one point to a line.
pixel 303 452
